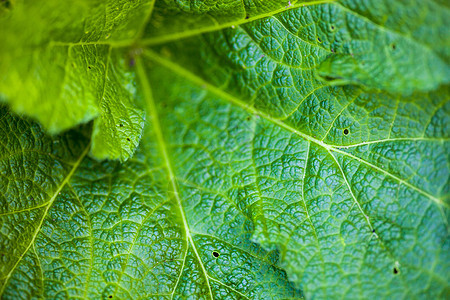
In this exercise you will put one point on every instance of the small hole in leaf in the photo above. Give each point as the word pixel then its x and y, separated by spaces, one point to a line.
pixel 332 28
pixel 110 296
pixel 319 40
pixel 328 78
pixel 89 67
pixel 395 270
pixel 346 131
pixel 216 254
pixel 128 139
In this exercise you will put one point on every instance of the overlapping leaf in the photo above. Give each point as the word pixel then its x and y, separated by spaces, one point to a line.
pixel 58 65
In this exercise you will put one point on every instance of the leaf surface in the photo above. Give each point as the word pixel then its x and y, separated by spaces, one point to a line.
pixel 254 178
pixel 396 46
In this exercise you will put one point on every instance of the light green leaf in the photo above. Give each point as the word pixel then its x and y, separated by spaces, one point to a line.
pixel 117 131
pixel 61 69
pixel 254 177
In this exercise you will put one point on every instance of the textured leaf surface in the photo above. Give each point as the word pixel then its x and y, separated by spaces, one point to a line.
pixel 398 46
pixel 93 230
pixel 347 216
pixel 254 178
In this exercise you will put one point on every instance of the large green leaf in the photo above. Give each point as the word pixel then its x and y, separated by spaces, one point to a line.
pixel 254 178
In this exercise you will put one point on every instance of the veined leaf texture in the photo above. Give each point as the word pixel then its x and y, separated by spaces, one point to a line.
pixel 237 150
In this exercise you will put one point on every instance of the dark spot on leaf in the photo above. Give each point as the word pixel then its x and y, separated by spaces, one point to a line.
pixel 332 27
pixel 328 78
pixel 247 16
pixel 373 230
pixel 248 118
pixel 110 296
pixel 216 254
pixel 393 46
pixel 346 131
pixel 121 125
pixel 128 139
pixel 89 67
pixel 395 270
pixel 319 40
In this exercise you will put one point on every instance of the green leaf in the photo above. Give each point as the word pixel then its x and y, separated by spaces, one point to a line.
pixel 62 71
pixel 74 227
pixel 254 178
pixel 117 131
pixel 172 20
pixel 351 214
pixel 395 46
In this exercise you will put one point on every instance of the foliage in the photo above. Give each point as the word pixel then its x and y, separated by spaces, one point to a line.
pixel 237 149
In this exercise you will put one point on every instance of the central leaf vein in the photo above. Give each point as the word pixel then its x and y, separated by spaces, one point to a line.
pixel 163 148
